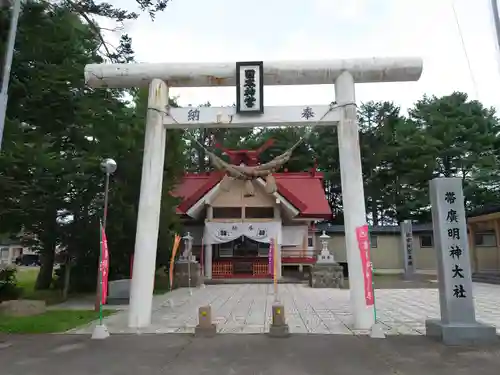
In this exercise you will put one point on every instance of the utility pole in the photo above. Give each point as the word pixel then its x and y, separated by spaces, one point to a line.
pixel 9 52
pixel 496 22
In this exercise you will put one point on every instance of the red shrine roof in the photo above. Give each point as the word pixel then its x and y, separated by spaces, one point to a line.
pixel 303 190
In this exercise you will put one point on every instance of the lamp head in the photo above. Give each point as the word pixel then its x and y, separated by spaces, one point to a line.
pixel 108 166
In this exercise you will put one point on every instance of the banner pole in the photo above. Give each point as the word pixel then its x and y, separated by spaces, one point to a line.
pixel 275 270
pixel 373 275
pixel 377 331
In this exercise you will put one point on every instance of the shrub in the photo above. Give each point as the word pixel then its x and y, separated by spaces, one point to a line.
pixel 8 284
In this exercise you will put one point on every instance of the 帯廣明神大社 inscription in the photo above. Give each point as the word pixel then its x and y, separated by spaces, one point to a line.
pixel 452 220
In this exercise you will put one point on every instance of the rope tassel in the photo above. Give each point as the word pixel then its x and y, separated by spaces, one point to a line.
pixel 249 189
pixel 271 186
pixel 226 183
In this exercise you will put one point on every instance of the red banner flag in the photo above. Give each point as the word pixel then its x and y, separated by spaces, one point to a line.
pixel 104 266
pixel 362 235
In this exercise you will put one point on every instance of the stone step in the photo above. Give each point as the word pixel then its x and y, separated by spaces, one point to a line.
pixel 284 280
pixel 486 277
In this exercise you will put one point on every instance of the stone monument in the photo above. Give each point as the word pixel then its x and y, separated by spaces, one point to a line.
pixel 278 326
pixel 326 273
pixel 458 325
pixel 119 292
pixel 205 327
pixel 407 242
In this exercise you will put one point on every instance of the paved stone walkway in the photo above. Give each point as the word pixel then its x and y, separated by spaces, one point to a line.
pixel 247 309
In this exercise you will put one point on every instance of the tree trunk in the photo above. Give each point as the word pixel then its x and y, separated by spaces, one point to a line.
pixel 47 254
pixel 67 277
pixel 47 257
pixel 374 212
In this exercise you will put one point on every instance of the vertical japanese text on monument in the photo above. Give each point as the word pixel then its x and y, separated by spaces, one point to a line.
pixel 409 248
pixel 455 251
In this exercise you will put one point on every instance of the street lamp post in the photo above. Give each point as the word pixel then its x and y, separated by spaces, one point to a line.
pixel 108 166
pixel 9 52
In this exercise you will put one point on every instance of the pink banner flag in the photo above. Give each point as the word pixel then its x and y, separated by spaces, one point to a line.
pixel 104 266
pixel 271 257
pixel 363 238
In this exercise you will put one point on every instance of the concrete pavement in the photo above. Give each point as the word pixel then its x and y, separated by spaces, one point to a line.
pixel 301 354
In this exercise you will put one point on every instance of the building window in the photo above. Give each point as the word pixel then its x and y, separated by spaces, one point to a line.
pixel 373 242
pixel 226 249
pixel 485 239
pixel 227 212
pixel 310 241
pixel 4 255
pixel 259 212
pixel 263 249
pixel 426 240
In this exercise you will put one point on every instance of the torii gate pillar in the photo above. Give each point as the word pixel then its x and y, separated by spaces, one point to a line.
pixel 353 197
pixel 343 73
pixel 148 217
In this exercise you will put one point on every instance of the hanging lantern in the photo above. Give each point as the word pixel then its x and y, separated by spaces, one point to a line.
pixel 271 186
pixel 226 182
pixel 249 189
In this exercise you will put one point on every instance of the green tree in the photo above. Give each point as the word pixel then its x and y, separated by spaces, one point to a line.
pixel 46 125
pixel 57 132
pixel 461 139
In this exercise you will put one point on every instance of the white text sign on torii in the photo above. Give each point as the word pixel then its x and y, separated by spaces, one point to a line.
pixel 160 76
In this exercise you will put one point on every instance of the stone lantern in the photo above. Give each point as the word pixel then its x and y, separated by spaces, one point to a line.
pixel 187 254
pixel 187 272
pixel 326 273
pixel 325 257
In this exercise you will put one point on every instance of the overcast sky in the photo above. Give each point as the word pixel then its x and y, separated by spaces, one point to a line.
pixel 240 30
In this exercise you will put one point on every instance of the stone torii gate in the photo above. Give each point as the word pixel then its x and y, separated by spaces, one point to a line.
pixel 161 76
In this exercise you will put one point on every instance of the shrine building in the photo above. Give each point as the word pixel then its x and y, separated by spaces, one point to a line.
pixel 232 228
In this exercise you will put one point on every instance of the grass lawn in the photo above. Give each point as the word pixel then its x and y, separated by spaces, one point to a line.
pixel 53 321
pixel 26 278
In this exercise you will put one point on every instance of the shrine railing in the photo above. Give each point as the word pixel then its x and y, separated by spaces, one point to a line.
pixel 297 256
pixel 226 269
pixel 258 267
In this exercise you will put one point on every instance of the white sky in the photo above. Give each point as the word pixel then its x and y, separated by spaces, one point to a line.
pixel 239 30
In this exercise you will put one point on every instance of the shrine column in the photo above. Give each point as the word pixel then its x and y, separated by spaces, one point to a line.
pixel 148 218
pixel 353 197
pixel 208 256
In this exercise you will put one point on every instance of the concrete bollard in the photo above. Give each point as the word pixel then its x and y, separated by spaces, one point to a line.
pixel 278 327
pixel 205 327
